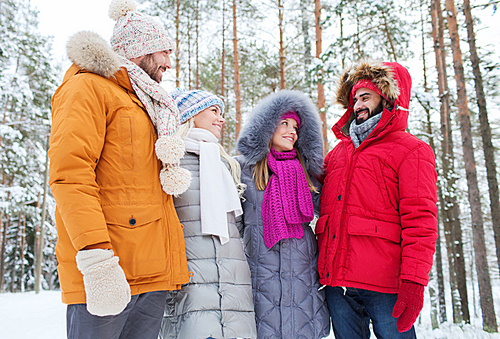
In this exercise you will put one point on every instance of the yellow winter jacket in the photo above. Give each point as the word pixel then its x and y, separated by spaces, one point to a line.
pixel 104 175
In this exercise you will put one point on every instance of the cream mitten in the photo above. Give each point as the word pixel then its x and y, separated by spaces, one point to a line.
pixel 106 286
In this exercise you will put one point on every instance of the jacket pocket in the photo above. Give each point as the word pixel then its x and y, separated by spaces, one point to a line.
pixel 321 234
pixel 382 185
pixel 375 228
pixel 137 237
pixel 374 252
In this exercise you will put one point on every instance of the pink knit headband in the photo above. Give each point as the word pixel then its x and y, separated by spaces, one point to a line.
pixel 366 83
pixel 292 115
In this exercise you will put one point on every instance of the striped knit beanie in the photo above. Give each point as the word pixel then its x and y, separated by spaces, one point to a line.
pixel 136 34
pixel 193 102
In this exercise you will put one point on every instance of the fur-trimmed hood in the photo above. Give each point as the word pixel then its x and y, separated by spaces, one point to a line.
pixel 394 81
pixel 92 53
pixel 254 139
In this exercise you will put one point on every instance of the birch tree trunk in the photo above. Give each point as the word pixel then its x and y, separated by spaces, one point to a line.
pixel 449 207
pixel 236 64
pixel 484 282
pixel 489 151
pixel 321 88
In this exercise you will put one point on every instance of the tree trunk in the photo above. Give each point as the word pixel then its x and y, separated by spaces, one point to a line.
pixel 177 53
pixel 434 298
pixel 41 234
pixel 197 42
pixel 307 46
pixel 489 151
pixel 440 276
pixel 23 246
pixel 14 258
pixel 237 92
pixel 321 88
pixel 223 70
pixel 190 70
pixel 341 23
pixel 2 254
pixel 282 51
pixel 449 208
pixel 386 29
pixel 484 282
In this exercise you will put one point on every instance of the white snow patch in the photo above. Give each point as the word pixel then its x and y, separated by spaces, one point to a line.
pixel 32 316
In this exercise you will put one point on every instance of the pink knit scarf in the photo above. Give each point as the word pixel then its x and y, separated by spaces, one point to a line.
pixel 287 201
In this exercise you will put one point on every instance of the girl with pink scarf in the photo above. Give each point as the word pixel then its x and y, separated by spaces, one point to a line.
pixel 281 151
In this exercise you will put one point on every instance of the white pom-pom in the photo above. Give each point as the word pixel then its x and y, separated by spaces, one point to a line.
pixel 174 179
pixel 169 149
pixel 119 8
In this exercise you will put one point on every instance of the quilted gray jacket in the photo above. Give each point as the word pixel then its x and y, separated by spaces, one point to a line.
pixel 217 302
pixel 285 277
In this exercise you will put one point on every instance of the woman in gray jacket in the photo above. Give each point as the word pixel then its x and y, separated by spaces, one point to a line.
pixel 281 151
pixel 217 302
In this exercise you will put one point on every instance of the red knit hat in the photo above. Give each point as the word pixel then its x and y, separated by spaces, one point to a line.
pixel 366 83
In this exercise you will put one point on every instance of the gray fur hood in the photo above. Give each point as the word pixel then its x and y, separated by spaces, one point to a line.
pixel 92 53
pixel 254 139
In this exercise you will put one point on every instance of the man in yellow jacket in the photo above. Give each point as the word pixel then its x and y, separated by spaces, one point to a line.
pixel 113 170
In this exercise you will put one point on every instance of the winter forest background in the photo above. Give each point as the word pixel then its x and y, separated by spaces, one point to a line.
pixel 245 49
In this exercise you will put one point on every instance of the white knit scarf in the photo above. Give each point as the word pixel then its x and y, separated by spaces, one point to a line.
pixel 218 195
pixel 164 115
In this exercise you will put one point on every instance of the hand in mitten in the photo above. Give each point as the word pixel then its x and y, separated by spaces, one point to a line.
pixel 409 304
pixel 106 286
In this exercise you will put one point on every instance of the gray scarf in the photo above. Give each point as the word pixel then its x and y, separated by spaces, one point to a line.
pixel 359 132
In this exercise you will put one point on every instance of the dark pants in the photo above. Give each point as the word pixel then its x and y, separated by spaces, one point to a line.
pixel 140 319
pixel 351 314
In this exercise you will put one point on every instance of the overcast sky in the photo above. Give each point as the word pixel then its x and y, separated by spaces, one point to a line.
pixel 63 18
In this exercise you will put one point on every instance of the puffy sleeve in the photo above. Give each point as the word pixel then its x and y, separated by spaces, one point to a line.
pixel 418 213
pixel 77 139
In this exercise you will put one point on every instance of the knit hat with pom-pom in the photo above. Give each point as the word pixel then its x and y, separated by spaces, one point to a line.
pixel 136 34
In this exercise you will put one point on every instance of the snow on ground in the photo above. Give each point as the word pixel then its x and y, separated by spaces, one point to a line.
pixel 43 316
pixel 32 316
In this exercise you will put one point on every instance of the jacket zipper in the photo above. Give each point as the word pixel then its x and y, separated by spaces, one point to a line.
pixel 354 158
pixel 345 193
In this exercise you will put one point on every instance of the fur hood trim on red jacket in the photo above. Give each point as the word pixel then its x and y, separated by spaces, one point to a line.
pixel 394 81
pixel 380 73
pixel 92 53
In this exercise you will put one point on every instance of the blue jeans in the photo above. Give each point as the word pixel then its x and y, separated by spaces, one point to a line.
pixel 140 319
pixel 351 314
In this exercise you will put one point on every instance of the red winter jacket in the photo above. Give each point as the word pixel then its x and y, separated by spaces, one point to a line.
pixel 377 222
